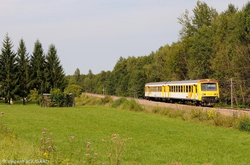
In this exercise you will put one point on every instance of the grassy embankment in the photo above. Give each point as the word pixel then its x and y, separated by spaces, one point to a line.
pixel 155 139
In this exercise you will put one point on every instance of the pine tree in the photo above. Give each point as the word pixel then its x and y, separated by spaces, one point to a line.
pixel 8 67
pixel 23 70
pixel 37 63
pixel 54 71
pixel 77 76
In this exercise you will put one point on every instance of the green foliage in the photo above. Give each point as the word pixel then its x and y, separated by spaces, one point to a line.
pixel 118 102
pixel 76 90
pixel 245 124
pixel 23 71
pixel 34 95
pixel 20 73
pixel 55 76
pixel 76 78
pixel 57 98
pixel 122 103
pixel 132 105
pixel 8 71
pixel 106 100
pixel 37 63
pixel 211 45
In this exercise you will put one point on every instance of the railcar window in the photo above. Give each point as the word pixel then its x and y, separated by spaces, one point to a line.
pixel 155 89
pixel 208 87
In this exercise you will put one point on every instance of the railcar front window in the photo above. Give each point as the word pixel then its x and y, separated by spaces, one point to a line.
pixel 208 87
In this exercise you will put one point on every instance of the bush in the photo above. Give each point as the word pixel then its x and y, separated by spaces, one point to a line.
pixel 76 90
pixel 244 124
pixel 118 102
pixel 132 105
pixel 34 96
pixel 81 100
pixel 198 114
pixel 57 98
pixel 106 100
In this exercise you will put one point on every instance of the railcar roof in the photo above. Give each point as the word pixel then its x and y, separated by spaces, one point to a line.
pixel 156 83
pixel 173 83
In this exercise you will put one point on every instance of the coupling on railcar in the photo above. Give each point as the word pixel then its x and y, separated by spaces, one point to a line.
pixel 202 92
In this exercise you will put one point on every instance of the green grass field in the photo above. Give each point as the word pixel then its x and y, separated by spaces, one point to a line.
pixel 155 139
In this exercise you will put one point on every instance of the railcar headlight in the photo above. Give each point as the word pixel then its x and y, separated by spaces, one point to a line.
pixel 216 94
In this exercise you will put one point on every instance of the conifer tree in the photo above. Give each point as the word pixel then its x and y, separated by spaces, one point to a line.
pixel 54 72
pixel 37 63
pixel 8 67
pixel 23 70
pixel 77 76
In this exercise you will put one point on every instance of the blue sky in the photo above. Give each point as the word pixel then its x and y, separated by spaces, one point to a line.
pixel 93 34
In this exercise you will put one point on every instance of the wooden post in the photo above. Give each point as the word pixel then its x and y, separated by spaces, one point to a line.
pixel 232 93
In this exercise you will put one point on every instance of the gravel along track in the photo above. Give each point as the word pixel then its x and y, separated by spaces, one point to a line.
pixel 143 102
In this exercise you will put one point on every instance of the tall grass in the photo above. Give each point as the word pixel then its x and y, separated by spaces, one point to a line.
pixel 11 147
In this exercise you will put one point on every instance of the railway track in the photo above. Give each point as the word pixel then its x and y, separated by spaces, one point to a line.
pixel 236 109
pixel 222 110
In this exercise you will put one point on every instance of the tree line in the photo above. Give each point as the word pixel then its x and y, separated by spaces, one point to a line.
pixel 21 73
pixel 211 45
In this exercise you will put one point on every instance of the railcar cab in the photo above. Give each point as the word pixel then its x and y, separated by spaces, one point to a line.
pixel 208 91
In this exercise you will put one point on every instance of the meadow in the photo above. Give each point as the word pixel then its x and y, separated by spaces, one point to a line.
pixel 99 134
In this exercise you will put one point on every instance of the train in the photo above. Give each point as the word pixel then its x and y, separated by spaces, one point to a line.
pixel 199 92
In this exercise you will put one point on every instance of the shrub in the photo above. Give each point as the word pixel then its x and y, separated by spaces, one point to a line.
pixel 94 101
pixel 118 102
pixel 34 96
pixel 106 100
pixel 165 111
pixel 57 98
pixel 176 114
pixel 82 99
pixel 157 109
pixel 198 114
pixel 219 120
pixel 244 124
pixel 132 105
pixel 76 90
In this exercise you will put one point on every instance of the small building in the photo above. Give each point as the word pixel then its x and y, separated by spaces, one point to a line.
pixel 46 100
pixel 57 100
